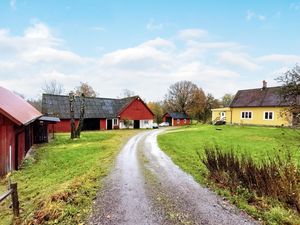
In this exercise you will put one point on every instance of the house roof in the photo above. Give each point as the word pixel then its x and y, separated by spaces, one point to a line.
pixel 178 115
pixel 59 106
pixel 16 108
pixel 260 97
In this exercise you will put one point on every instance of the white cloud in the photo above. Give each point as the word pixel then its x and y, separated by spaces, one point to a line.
pixel 295 6
pixel 250 15
pixel 191 34
pixel 101 29
pixel 238 59
pixel 13 4
pixel 149 68
pixel 152 25
pixel 280 58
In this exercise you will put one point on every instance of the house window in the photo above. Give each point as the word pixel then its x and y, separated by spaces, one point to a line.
pixel 178 121
pixel 268 115
pixel 184 120
pixel 246 115
pixel 146 122
pixel 115 122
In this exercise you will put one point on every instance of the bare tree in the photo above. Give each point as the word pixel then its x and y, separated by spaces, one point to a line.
pixel 290 90
pixel 36 103
pixel 127 93
pixel 180 96
pixel 85 89
pixel 53 87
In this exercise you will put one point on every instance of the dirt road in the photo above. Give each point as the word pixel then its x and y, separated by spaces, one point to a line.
pixel 146 187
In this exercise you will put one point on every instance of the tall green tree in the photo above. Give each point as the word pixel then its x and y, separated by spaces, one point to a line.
pixel 227 99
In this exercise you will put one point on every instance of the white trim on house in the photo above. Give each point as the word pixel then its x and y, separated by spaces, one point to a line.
pixel 245 113
pixel 273 115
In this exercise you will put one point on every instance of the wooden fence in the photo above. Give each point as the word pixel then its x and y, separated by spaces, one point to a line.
pixel 13 191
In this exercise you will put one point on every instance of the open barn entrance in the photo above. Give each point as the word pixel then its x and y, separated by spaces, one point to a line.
pixel 136 124
pixel 169 120
pixel 109 124
pixel 91 124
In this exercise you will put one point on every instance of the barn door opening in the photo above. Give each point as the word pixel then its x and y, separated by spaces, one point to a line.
pixel 169 120
pixel 109 124
pixel 91 124
pixel 136 124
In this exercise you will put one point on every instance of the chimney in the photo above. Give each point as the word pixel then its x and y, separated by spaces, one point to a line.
pixel 264 84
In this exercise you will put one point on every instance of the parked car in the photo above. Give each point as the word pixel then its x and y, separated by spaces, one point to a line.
pixel 154 125
pixel 164 124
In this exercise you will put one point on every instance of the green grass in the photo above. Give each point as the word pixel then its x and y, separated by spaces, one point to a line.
pixel 58 184
pixel 260 143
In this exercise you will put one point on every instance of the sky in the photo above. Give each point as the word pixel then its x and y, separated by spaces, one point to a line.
pixel 145 46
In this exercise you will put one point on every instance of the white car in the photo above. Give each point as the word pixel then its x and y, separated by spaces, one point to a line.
pixel 164 124
pixel 154 126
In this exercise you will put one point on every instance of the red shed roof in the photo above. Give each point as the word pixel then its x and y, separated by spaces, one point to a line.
pixel 16 108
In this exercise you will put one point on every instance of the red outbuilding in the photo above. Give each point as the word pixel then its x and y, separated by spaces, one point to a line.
pixel 100 113
pixel 17 119
pixel 176 118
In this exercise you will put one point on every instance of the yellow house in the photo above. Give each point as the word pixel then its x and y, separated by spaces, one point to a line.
pixel 261 106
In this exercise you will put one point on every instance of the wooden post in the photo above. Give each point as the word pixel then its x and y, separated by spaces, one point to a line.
pixel 14 198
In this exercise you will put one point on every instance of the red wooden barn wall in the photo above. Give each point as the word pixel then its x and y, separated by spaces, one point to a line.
pixel 8 131
pixel 181 122
pixel 136 110
pixel 63 126
pixel 7 138
pixel 102 124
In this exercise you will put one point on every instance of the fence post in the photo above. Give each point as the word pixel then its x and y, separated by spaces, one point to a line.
pixel 14 198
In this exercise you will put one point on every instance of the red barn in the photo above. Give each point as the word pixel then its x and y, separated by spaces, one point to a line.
pixel 176 119
pixel 100 113
pixel 16 129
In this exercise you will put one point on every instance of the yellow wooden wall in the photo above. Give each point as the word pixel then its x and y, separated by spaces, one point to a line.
pixel 234 116
pixel 280 116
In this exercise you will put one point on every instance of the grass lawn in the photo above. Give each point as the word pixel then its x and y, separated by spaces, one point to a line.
pixel 58 184
pixel 260 143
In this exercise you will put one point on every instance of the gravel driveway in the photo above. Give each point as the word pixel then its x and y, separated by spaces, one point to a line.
pixel 146 187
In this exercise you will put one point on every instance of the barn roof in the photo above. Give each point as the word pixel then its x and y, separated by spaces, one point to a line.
pixel 259 97
pixel 178 115
pixel 59 106
pixel 16 108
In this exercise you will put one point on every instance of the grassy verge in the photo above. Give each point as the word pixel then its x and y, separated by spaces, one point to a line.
pixel 58 184
pixel 259 143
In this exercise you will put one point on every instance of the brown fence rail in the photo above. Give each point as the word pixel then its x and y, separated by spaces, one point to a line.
pixel 13 191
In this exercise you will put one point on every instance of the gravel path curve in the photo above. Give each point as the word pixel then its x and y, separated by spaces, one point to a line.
pixel 146 187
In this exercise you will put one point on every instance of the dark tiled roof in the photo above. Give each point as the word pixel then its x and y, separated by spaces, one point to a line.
pixel 259 98
pixel 59 106
pixel 178 115
pixel 16 108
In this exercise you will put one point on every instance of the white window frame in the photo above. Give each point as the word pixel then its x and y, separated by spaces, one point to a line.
pixel 178 121
pixel 246 118
pixel 273 114
pixel 146 122
pixel 115 122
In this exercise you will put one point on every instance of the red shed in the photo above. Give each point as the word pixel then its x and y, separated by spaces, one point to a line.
pixel 176 118
pixel 16 129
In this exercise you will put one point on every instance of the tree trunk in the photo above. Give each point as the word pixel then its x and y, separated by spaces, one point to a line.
pixel 71 100
pixel 81 118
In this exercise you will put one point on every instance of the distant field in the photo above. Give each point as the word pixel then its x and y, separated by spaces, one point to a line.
pixel 260 143
pixel 58 185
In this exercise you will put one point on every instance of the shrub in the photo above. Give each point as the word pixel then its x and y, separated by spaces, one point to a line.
pixel 276 177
